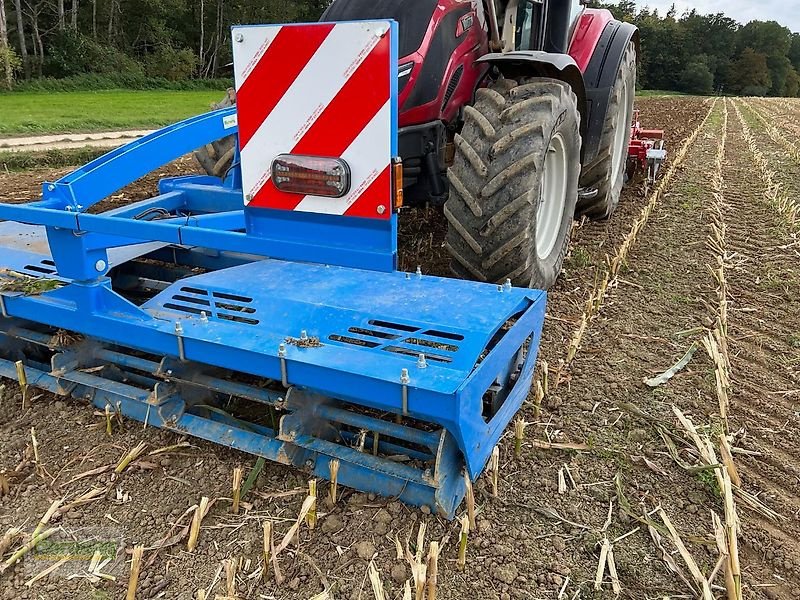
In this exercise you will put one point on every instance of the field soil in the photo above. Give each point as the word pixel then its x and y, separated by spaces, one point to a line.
pixel 605 460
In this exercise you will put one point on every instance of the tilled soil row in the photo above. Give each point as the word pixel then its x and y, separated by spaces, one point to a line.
pixel 521 549
pixel 764 341
pixel 784 116
pixel 658 310
pixel 778 140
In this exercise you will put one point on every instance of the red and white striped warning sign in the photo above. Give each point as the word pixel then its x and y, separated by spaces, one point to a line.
pixel 320 89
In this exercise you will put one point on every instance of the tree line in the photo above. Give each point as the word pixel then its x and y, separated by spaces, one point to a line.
pixel 164 39
pixel 703 54
pixel 180 39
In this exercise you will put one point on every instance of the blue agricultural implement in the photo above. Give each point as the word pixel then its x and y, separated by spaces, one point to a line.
pixel 283 330
pixel 261 307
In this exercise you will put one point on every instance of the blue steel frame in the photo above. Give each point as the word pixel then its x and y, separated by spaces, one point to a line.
pixel 424 349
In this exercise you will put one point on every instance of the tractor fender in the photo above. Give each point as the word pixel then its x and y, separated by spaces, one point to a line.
pixel 600 76
pixel 534 63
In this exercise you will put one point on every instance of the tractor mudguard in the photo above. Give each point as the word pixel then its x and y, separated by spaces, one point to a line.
pixel 534 63
pixel 599 79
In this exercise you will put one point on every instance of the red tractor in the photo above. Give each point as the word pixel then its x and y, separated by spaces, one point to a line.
pixel 515 115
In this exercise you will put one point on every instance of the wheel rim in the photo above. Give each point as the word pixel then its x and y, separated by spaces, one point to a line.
pixel 552 198
pixel 623 133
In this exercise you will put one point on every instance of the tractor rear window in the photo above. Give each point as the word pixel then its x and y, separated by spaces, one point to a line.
pixel 413 17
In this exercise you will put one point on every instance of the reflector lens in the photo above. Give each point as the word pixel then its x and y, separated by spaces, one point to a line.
pixel 397 182
pixel 311 175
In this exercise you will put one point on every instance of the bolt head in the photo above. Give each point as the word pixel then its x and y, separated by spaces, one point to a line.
pixel 239 38
pixel 381 209
pixel 100 266
pixel 51 188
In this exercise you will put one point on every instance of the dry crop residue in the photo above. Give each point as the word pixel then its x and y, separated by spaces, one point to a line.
pixel 543 535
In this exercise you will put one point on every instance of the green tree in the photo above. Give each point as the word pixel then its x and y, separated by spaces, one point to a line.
pixel 794 51
pixel 773 41
pixel 697 78
pixel 793 83
pixel 663 53
pixel 713 36
pixel 749 74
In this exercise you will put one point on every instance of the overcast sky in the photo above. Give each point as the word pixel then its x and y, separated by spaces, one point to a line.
pixel 784 11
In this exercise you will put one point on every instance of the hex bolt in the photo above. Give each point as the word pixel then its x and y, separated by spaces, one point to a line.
pixel 408 275
pixel 304 335
pixel 419 272
pixel 51 188
pixel 203 317
pixel 507 285
pixel 404 378
pixel 381 209
pixel 248 197
pixel 421 362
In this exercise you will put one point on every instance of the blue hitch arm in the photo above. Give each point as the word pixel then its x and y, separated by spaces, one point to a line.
pixel 113 171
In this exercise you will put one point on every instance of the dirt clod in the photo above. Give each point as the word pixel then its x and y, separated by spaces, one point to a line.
pixel 505 573
pixel 365 550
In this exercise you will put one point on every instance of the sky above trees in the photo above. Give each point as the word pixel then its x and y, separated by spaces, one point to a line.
pixel 784 11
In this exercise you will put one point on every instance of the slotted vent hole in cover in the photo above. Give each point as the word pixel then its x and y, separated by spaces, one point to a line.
pixel 415 354
pixel 373 333
pixel 220 301
pixel 353 341
pixel 46 267
pixel 431 344
pixel 386 331
pixel 395 326
pixel 179 298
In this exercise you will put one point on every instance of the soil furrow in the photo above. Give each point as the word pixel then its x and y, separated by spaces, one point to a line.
pixel 759 348
pixel 540 537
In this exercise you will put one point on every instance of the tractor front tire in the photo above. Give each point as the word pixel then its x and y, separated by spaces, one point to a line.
pixel 514 183
pixel 606 173
pixel 216 158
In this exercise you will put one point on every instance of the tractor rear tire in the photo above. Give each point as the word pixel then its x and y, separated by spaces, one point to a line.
pixel 514 183
pixel 607 172
pixel 216 158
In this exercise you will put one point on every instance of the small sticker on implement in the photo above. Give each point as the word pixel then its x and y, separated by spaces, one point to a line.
pixel 229 122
